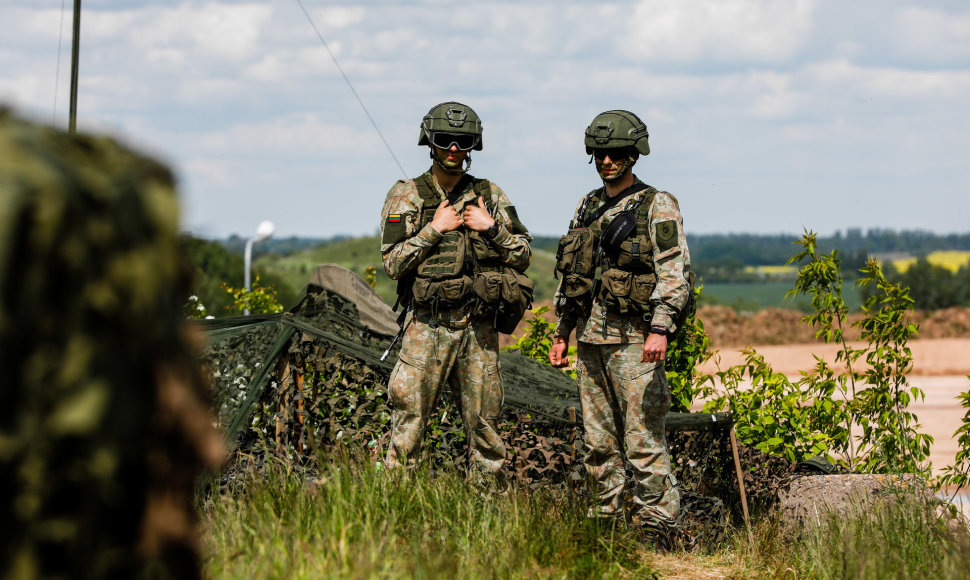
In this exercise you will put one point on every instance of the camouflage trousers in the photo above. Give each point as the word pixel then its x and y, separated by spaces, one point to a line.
pixel 467 359
pixel 625 402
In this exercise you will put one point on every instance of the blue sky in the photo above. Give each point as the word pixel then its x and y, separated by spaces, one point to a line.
pixel 765 116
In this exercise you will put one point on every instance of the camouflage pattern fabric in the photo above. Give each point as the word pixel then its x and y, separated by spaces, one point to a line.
pixel 468 360
pixel 671 265
pixel 446 344
pixel 624 404
pixel 625 400
pixel 104 420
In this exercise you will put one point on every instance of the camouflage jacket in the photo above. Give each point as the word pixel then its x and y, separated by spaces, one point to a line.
pixel 670 295
pixel 403 202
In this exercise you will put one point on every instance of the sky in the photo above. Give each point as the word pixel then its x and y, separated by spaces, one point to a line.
pixel 765 116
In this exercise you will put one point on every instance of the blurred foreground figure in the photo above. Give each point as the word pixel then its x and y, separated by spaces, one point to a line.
pixel 104 421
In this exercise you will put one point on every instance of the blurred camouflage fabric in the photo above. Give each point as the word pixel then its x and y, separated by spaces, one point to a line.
pixel 104 423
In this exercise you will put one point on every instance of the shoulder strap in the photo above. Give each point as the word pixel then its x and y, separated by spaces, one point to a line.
pixel 483 189
pixel 582 208
pixel 426 189
pixel 613 201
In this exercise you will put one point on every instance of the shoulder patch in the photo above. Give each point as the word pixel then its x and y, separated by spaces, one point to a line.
pixel 666 235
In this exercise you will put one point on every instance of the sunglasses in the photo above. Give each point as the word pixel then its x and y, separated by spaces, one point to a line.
pixel 616 154
pixel 463 141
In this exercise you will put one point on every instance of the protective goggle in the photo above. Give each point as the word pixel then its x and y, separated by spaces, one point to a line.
pixel 615 153
pixel 463 141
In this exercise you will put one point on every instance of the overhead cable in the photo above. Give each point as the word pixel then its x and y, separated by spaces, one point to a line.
pixel 349 84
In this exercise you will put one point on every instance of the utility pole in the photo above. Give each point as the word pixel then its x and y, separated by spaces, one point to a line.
pixel 75 50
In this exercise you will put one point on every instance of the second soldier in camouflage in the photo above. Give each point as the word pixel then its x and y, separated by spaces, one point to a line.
pixel 624 269
pixel 458 251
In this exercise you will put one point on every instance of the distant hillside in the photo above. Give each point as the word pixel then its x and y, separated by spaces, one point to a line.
pixel 735 269
pixel 357 253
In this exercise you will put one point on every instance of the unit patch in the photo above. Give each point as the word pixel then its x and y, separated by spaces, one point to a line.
pixel 666 235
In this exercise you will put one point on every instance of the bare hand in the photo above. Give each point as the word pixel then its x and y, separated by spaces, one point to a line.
pixel 446 218
pixel 476 216
pixel 654 348
pixel 557 353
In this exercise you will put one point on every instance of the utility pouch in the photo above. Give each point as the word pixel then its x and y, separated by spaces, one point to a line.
pixel 635 253
pixel 447 260
pixel 455 289
pixel 575 253
pixel 488 286
pixel 615 287
pixel 450 291
pixel 424 290
pixel 517 293
pixel 482 250
pixel 574 286
pixel 642 288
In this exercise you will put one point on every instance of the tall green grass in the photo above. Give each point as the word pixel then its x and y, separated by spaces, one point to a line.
pixel 900 538
pixel 354 521
pixel 357 522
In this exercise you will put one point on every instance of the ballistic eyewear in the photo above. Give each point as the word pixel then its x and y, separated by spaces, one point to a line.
pixel 615 153
pixel 463 141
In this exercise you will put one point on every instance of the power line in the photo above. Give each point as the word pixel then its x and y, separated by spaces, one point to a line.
pixel 349 84
pixel 57 75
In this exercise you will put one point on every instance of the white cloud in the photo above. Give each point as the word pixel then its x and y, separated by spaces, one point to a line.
pixel 726 31
pixel 228 31
pixel 933 35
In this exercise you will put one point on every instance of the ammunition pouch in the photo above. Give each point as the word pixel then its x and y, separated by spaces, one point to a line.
pixel 480 249
pixel 575 262
pixel 625 292
pixel 447 292
pixel 506 295
pixel 635 254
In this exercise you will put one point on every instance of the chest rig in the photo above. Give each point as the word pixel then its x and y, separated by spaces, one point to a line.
pixel 610 260
pixel 465 270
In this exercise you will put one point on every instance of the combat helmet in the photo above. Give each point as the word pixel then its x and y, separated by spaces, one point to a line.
pixel 617 129
pixel 452 119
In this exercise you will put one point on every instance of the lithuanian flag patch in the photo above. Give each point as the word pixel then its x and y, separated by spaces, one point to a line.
pixel 394 218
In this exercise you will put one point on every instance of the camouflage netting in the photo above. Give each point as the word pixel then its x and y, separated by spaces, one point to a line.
pixel 104 420
pixel 310 382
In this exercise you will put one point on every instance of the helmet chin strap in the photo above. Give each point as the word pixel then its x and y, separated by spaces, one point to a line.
pixel 449 170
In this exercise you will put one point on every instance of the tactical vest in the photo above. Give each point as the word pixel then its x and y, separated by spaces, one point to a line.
pixel 464 270
pixel 626 277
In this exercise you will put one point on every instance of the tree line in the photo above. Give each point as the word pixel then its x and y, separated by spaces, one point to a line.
pixel 717 258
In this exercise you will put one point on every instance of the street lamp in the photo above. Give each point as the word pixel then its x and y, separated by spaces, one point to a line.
pixel 263 232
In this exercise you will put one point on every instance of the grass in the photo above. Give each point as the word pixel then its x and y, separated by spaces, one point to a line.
pixel 897 538
pixel 354 521
pixel 357 522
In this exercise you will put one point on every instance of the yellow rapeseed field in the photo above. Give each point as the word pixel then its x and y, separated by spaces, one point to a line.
pixel 952 260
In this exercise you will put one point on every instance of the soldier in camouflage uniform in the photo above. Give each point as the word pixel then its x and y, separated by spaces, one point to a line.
pixel 624 268
pixel 449 238
pixel 105 422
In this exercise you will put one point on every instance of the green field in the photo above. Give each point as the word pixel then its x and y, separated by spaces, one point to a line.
pixel 759 295
pixel 357 254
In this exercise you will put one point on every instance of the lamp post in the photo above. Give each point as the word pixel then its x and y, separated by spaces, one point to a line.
pixel 264 231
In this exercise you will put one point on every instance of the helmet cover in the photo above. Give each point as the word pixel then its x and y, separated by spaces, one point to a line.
pixel 451 117
pixel 617 129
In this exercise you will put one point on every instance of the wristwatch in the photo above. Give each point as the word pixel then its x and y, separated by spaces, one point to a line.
pixel 492 230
